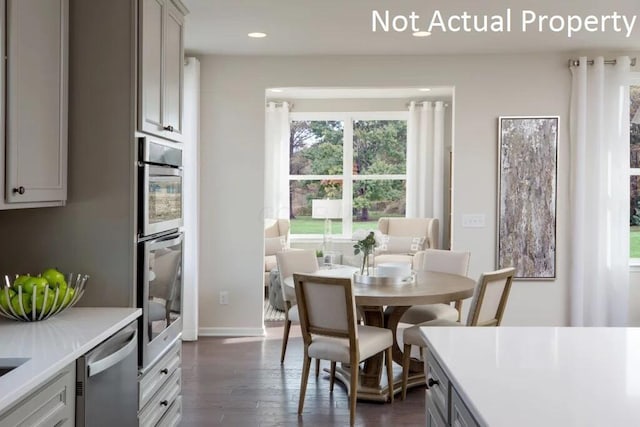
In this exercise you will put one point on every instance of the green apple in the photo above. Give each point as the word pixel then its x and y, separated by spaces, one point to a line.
pixel 35 284
pixel 67 297
pixel 26 304
pixel 20 280
pixel 64 297
pixel 42 303
pixel 54 277
pixel 5 298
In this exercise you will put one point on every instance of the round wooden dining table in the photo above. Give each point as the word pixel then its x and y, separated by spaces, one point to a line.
pixel 383 306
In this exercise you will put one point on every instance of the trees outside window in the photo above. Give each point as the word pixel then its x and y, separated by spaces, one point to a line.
pixel 359 158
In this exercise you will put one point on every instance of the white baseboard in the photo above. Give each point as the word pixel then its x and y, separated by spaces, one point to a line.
pixel 189 334
pixel 231 332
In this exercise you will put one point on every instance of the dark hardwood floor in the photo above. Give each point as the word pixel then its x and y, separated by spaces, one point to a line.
pixel 240 382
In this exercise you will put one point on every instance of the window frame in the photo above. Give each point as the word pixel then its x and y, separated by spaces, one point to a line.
pixel 347 118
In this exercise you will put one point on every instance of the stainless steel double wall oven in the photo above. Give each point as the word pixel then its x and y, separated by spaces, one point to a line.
pixel 160 246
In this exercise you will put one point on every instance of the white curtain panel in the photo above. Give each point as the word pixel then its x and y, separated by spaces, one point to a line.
pixel 276 192
pixel 191 154
pixel 425 161
pixel 599 193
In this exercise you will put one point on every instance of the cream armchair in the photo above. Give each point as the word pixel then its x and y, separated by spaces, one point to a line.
pixel 276 239
pixel 400 238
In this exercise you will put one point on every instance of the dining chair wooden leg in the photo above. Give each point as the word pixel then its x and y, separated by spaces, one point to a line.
pixel 353 391
pixel 333 375
pixel 303 386
pixel 285 338
pixel 317 368
pixel 389 358
pixel 458 306
pixel 406 356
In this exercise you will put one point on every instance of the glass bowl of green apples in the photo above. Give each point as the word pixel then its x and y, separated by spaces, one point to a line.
pixel 31 298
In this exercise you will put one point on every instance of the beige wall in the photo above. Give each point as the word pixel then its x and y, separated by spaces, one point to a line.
pixel 232 163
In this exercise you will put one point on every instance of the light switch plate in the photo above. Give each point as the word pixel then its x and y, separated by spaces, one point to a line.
pixel 473 220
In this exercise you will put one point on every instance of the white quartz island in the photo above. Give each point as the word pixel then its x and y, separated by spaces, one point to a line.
pixel 52 344
pixel 542 376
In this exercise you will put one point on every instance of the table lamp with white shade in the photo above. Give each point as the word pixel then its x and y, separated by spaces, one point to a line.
pixel 636 117
pixel 326 209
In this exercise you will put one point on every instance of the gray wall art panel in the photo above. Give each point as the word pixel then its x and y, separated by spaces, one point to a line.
pixel 527 176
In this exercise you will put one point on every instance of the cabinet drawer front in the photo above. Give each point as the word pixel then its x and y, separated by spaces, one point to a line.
pixel 162 401
pixel 439 391
pixel 460 415
pixel 53 405
pixel 434 416
pixel 151 382
pixel 173 416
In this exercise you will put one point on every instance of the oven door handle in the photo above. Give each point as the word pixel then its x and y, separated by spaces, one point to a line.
pixel 167 242
pixel 94 368
pixel 156 170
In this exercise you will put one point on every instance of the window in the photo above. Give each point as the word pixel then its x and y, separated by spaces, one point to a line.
pixel 358 158
pixel 634 171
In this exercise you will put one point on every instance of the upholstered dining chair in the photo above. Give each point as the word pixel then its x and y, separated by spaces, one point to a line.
pixel 487 308
pixel 330 332
pixel 289 262
pixel 442 261
pixel 399 239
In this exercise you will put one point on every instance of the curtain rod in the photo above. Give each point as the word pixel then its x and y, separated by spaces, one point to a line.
pixel 444 104
pixel 576 62
pixel 279 103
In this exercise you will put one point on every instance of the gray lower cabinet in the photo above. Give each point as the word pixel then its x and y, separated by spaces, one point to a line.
pixel 52 405
pixel 434 416
pixel 160 388
pixel 444 405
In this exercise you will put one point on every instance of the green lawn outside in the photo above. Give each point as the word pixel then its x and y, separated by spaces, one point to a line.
pixel 308 225
pixel 634 240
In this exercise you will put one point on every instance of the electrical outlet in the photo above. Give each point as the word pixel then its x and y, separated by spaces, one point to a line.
pixel 224 297
pixel 473 221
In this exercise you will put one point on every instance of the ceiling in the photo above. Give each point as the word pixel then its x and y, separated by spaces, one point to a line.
pixel 343 27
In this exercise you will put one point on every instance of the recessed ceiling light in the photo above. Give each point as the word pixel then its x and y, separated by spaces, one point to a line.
pixel 257 35
pixel 421 34
pixel 276 90
pixel 424 89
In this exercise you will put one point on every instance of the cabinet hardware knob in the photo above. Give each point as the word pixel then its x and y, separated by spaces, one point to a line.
pixel 19 190
pixel 169 128
pixel 433 382
pixel 164 403
pixel 164 371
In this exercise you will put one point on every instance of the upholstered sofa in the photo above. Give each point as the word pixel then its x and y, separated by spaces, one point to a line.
pixel 398 239
pixel 276 239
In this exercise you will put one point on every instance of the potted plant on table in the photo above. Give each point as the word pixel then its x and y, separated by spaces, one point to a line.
pixel 320 256
pixel 366 246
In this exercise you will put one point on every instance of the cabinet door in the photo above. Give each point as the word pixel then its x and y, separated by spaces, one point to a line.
pixel 173 72
pixel 161 68
pixel 53 404
pixel 150 63
pixel 36 90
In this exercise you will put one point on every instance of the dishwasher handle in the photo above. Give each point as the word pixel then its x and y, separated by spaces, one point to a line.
pixel 94 368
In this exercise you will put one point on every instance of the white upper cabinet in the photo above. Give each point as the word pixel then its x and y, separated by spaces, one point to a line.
pixel 36 102
pixel 161 64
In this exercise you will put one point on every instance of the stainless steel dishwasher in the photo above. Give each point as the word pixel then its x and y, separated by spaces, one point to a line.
pixel 106 382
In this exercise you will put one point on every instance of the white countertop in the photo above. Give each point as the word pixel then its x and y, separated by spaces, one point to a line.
pixel 52 344
pixel 543 376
